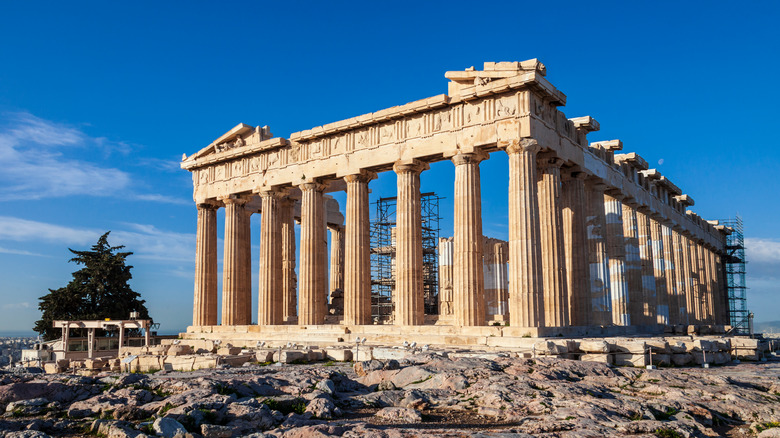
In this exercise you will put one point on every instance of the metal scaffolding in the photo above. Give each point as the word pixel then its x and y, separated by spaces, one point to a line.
pixel 734 262
pixel 383 256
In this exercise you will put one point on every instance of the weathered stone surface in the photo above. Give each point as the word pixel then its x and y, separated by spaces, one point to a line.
pixel 399 415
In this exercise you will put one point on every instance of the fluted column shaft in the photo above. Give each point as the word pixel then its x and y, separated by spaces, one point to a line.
pixel 468 274
pixel 312 293
pixel 598 260
pixel 271 296
pixel 683 278
pixel 336 258
pixel 205 303
pixel 660 272
pixel 246 268
pixel 616 251
pixel 649 300
pixel 357 257
pixel 289 277
pixel 704 299
pixel 724 314
pixel 692 298
pixel 409 306
pixel 708 284
pixel 575 237
pixel 235 288
pixel 556 299
pixel 633 263
pixel 526 305
pixel 673 265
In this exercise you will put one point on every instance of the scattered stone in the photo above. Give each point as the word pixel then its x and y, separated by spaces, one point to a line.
pixel 168 427
pixel 399 415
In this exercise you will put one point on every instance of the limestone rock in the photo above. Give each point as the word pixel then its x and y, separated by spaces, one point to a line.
pixel 399 415
pixel 168 427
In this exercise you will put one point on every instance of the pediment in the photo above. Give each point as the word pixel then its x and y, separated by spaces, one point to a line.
pixel 239 136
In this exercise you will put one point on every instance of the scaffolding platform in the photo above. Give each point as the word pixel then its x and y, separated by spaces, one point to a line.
pixel 735 263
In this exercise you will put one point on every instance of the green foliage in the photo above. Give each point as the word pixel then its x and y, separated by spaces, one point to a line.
pixel 768 425
pixel 666 414
pixel 99 290
pixel 667 433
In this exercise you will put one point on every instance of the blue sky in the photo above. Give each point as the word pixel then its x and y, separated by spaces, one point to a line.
pixel 98 101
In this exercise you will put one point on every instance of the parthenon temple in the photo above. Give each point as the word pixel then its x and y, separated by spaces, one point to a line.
pixel 598 242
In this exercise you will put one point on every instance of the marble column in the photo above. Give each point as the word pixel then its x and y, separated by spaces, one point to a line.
pixel 526 305
pixel 357 251
pixel 312 293
pixel 446 255
pixel 234 284
pixel 708 287
pixel 598 261
pixel 693 299
pixel 720 269
pixel 556 298
pixel 496 284
pixel 246 267
pixel 714 292
pixel 684 278
pixel 704 283
pixel 633 263
pixel 336 258
pixel 468 274
pixel 205 305
pixel 575 237
pixel 660 262
pixel 616 251
pixel 289 277
pixel 409 306
pixel 270 301
pixel 649 298
pixel 673 271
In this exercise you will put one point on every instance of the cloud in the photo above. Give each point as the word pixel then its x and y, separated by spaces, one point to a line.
pixel 16 306
pixel 20 252
pixel 163 199
pixel 145 241
pixel 763 256
pixel 35 167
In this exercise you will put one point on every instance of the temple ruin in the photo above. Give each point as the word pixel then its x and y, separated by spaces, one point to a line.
pixel 599 243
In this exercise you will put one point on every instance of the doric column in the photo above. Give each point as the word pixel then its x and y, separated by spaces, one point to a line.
pixel 683 277
pixel 468 278
pixel 246 267
pixel 235 288
pixel 714 293
pixel 446 255
pixel 692 298
pixel 556 299
pixel 496 285
pixel 409 308
pixel 633 263
pixel 708 284
pixel 289 277
pixel 336 258
pixel 673 270
pixel 312 293
pixel 616 251
pixel 649 306
pixel 575 243
pixel 357 251
pixel 659 272
pixel 598 261
pixel 205 305
pixel 720 279
pixel 526 306
pixel 271 297
pixel 704 301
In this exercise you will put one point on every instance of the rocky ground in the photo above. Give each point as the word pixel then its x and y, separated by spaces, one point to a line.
pixel 422 395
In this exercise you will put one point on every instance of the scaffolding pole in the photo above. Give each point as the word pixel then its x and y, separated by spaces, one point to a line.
pixel 734 261
pixel 383 256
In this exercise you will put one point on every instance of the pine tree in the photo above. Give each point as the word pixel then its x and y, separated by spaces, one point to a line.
pixel 99 290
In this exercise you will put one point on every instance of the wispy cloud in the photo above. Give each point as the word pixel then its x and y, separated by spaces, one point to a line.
pixel 20 252
pixel 35 166
pixel 164 199
pixel 763 256
pixel 17 306
pixel 145 241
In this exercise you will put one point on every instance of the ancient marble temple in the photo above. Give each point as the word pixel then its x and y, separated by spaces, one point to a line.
pixel 596 238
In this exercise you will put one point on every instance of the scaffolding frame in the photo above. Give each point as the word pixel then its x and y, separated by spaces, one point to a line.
pixel 736 289
pixel 383 256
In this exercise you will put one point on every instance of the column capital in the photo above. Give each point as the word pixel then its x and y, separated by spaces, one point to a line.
pixel 312 185
pixel 549 161
pixel 208 205
pixel 522 145
pixel 469 157
pixel 362 176
pixel 615 193
pixel 596 184
pixel 410 166
pixel 234 199
pixel 572 174
pixel 272 193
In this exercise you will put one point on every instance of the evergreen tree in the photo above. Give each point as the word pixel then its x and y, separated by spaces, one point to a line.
pixel 99 290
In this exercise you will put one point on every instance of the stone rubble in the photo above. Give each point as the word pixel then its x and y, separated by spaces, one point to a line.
pixel 441 392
